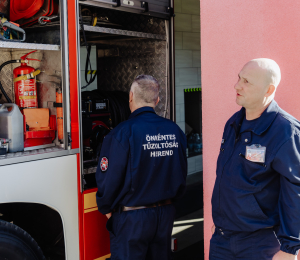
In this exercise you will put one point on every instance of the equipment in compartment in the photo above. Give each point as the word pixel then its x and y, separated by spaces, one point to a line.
pixel 43 20
pixel 138 45
pixel 94 106
pixel 25 84
pixel 24 9
pixel 96 123
pixel 101 111
pixel 4 145
pixel 10 31
pixel 89 72
pixel 27 13
pixel 11 127
pixel 59 115
pixel 39 127
pixel 118 104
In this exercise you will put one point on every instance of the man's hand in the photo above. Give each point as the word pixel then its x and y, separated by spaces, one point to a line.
pixel 213 228
pixel 280 255
pixel 108 215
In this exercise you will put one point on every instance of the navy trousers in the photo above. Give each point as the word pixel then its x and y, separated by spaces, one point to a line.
pixel 229 245
pixel 142 234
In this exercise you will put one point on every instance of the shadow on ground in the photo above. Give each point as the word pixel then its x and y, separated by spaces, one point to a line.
pixel 193 252
pixel 188 225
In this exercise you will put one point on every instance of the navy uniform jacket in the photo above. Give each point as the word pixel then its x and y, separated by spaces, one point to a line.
pixel 146 162
pixel 249 196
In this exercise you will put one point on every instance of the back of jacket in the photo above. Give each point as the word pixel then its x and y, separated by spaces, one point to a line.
pixel 142 161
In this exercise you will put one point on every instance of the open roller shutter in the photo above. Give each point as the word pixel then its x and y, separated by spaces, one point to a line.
pixel 156 8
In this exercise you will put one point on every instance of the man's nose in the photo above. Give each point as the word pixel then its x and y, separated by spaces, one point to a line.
pixel 237 85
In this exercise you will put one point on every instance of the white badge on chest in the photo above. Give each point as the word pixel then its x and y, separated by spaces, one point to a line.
pixel 256 153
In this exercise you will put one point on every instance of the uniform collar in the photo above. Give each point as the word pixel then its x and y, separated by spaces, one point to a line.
pixel 141 110
pixel 263 122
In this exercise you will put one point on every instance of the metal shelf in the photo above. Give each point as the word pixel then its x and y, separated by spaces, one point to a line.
pixel 90 170
pixel 110 31
pixel 28 46
pixel 38 154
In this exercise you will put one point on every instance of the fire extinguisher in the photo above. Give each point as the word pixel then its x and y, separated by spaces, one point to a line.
pixel 25 84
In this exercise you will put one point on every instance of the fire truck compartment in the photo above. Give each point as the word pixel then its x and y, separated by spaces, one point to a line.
pixel 122 43
pixel 48 82
pixel 50 40
pixel 126 44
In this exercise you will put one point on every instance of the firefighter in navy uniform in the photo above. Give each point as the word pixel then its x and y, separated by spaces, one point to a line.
pixel 142 169
pixel 256 198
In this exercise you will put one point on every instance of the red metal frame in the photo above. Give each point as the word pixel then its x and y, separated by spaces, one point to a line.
pixel 96 237
pixel 74 107
pixel 73 68
pixel 93 236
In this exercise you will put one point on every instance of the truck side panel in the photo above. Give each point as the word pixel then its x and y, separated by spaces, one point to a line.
pixel 57 188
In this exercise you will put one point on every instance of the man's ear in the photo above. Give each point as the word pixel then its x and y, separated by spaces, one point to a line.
pixel 130 96
pixel 270 91
pixel 157 101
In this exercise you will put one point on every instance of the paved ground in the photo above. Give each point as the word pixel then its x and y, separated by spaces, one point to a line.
pixel 189 233
pixel 193 252
pixel 188 226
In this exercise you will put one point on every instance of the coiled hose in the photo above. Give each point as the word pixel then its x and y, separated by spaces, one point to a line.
pixel 1 87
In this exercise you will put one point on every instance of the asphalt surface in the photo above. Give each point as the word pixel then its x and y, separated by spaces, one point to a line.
pixel 188 225
pixel 193 252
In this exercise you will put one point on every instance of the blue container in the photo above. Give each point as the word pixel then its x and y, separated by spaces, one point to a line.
pixel 197 144
pixel 191 143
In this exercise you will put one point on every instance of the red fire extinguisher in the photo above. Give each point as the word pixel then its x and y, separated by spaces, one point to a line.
pixel 25 84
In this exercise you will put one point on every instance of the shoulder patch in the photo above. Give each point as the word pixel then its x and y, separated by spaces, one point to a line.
pixel 104 164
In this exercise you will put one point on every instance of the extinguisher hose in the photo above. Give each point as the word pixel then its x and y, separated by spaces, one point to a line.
pixel 1 87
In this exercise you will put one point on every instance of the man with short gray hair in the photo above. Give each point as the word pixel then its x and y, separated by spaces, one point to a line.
pixel 256 198
pixel 142 169
pixel 146 89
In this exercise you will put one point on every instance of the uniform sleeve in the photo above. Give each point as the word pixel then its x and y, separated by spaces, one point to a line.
pixel 110 181
pixel 287 164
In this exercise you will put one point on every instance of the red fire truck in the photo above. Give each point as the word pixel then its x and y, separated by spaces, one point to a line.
pixel 86 55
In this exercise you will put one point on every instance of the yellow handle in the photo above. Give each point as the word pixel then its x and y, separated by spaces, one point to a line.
pixel 95 21
pixel 27 76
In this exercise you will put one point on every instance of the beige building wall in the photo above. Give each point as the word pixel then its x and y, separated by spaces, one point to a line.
pixel 187 61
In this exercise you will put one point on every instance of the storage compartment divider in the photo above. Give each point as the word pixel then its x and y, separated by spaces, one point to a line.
pixel 29 46
pixel 107 32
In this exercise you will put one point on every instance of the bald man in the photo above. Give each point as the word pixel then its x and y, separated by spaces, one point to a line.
pixel 142 169
pixel 256 198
